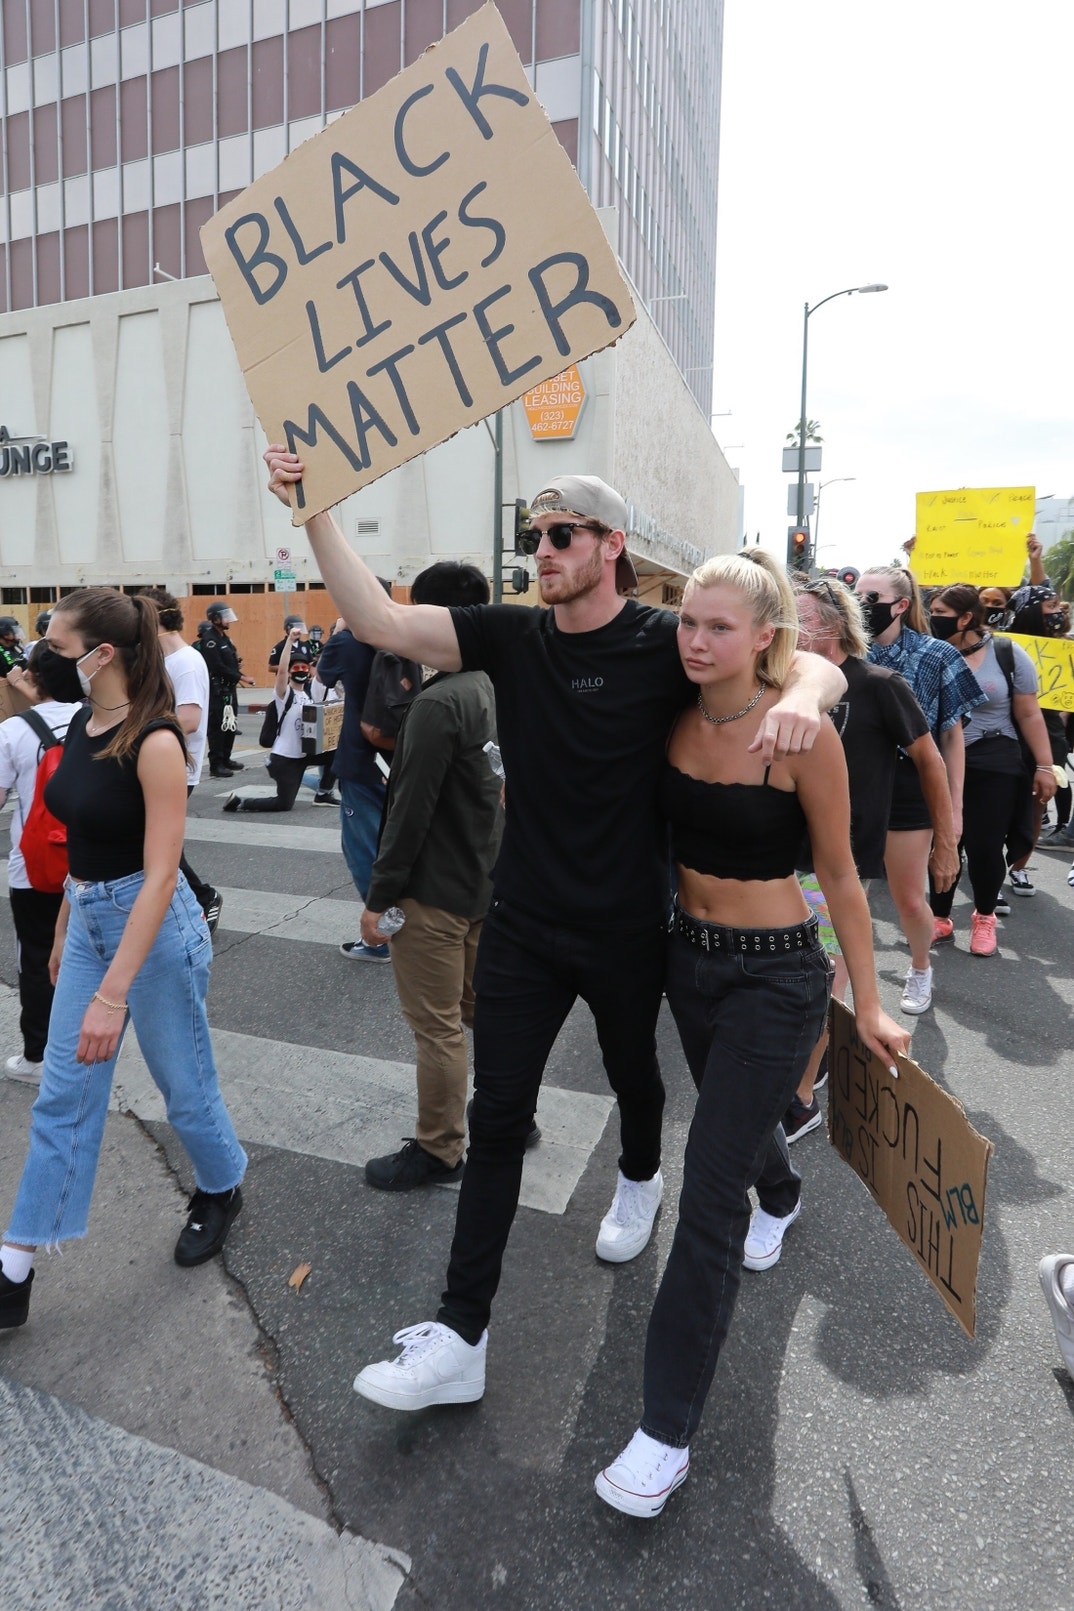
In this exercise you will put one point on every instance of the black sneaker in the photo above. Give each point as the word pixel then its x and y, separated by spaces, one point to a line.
pixel 232 803
pixel 800 1119
pixel 411 1166
pixel 219 771
pixel 533 1134
pixel 235 766
pixel 1002 907
pixel 212 909
pixel 326 797
pixel 14 1300
pixel 208 1223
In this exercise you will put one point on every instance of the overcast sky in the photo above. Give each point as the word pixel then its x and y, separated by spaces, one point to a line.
pixel 927 144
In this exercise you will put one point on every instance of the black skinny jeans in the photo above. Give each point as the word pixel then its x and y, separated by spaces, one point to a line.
pixel 34 914
pixel 529 974
pixel 990 802
pixel 286 772
pixel 748 1024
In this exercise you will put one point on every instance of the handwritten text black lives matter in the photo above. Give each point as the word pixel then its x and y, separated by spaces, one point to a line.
pixel 521 324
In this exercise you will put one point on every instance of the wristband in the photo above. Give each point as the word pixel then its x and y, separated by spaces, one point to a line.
pixel 1040 767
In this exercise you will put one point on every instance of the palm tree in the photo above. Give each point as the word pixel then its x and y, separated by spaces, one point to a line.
pixel 1059 564
pixel 812 432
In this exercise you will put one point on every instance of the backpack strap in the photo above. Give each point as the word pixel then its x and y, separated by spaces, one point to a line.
pixel 1005 655
pixel 39 725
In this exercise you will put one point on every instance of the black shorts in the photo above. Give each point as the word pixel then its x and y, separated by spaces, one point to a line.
pixel 908 808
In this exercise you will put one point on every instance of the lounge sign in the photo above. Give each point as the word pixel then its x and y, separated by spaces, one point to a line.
pixel 32 455
pixel 420 263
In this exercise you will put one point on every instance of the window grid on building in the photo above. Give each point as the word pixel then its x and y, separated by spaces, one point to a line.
pixel 125 124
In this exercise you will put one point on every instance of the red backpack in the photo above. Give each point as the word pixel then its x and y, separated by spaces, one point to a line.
pixel 44 837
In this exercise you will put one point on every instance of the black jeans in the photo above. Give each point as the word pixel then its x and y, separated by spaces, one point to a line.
pixel 286 772
pixel 528 976
pixel 748 1024
pixel 990 804
pixel 34 914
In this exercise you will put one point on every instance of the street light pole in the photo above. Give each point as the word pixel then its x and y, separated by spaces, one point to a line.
pixel 831 481
pixel 851 290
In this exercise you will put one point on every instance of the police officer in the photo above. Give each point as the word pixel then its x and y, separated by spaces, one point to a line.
pixel 10 649
pixel 225 675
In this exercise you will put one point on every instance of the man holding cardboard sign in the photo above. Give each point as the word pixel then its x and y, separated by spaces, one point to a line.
pixel 585 693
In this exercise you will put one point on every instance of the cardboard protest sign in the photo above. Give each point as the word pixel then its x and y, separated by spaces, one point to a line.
pixel 1054 660
pixel 421 262
pixel 913 1146
pixel 973 534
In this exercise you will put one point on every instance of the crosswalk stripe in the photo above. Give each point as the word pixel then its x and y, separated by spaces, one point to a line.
pixel 273 835
pixel 320 921
pixel 327 1104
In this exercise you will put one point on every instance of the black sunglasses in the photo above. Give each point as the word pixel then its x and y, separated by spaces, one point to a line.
pixel 558 535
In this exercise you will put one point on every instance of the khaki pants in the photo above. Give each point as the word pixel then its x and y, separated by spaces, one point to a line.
pixel 433 961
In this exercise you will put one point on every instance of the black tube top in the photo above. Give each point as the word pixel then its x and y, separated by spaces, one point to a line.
pixel 731 830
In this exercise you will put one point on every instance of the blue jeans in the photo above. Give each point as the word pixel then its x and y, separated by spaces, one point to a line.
pixel 167 1009
pixel 748 1024
pixel 359 822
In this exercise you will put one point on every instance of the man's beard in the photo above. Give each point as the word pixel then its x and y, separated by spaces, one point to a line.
pixel 583 582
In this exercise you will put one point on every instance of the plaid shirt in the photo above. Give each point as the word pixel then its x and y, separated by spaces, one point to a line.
pixel 943 684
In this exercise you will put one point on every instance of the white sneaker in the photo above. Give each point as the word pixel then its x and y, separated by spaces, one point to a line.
pixel 435 1367
pixel 764 1239
pixel 628 1224
pixel 1051 1272
pixel 640 1482
pixel 21 1068
pixel 917 991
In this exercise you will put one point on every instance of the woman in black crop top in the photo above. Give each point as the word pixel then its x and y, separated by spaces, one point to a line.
pixel 131 942
pixel 748 985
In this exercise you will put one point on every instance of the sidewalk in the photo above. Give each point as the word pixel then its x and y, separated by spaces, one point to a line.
pixel 148 1460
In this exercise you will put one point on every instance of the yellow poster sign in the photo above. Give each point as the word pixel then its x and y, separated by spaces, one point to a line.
pixel 973 534
pixel 1054 660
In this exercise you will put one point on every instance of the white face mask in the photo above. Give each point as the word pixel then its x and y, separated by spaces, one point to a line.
pixel 84 678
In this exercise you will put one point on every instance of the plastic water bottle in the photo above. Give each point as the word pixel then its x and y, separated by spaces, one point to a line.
pixel 493 752
pixel 390 922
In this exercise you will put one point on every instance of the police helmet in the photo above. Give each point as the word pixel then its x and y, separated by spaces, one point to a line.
pixel 41 624
pixel 9 627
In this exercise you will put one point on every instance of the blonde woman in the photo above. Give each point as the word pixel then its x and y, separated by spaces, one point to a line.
pixel 748 984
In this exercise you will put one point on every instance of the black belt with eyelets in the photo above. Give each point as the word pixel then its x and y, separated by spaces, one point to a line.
pixel 752 942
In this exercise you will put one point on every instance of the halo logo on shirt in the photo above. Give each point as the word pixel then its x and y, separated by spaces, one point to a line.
pixel 586 685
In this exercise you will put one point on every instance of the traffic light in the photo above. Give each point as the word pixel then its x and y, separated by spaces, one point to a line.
pixel 797 550
pixel 522 521
pixel 848 575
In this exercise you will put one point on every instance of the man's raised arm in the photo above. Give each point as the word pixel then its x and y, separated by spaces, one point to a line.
pixel 423 632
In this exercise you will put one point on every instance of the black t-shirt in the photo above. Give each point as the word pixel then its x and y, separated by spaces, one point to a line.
pixel 101 804
pixel 583 719
pixel 877 714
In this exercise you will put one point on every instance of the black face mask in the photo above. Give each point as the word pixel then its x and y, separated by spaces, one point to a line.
pixel 999 620
pixel 879 617
pixel 943 626
pixel 62 674
pixel 1053 624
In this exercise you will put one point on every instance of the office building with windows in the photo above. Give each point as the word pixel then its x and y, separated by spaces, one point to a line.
pixel 125 124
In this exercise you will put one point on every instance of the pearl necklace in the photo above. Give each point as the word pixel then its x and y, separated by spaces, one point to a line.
pixel 718 721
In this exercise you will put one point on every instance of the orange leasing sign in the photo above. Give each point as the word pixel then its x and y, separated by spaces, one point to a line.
pixel 553 407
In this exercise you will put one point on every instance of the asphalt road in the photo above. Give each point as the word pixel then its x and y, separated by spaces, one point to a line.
pixel 857 1449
